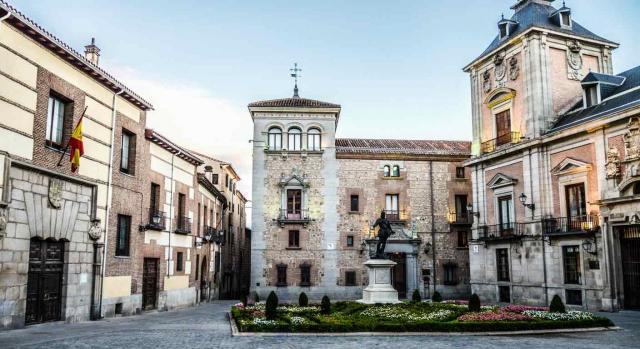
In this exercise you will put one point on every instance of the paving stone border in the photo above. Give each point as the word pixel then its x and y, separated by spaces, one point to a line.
pixel 236 333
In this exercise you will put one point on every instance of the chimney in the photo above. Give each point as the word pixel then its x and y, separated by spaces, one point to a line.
pixel 92 52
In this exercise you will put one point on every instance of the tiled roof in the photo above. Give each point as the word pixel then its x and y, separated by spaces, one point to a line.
pixel 620 98
pixel 538 15
pixel 604 78
pixel 66 52
pixel 402 146
pixel 295 102
pixel 171 147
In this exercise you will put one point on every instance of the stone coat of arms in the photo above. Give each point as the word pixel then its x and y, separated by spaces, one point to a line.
pixel 55 193
pixel 501 69
pixel 574 60
pixel 486 81
pixel 514 68
pixel 613 163
pixel 95 230
pixel 3 223
pixel 632 139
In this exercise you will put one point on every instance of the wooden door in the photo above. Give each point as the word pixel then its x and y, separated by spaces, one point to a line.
pixel 576 205
pixel 399 274
pixel 503 128
pixel 630 251
pixel 150 283
pixel 44 283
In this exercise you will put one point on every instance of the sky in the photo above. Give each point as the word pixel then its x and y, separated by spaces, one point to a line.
pixel 394 66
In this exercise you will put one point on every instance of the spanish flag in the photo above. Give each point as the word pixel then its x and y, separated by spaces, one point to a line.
pixel 75 144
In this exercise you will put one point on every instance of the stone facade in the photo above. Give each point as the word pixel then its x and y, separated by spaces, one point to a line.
pixel 542 193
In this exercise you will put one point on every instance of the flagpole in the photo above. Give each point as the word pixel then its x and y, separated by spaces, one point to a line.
pixel 67 147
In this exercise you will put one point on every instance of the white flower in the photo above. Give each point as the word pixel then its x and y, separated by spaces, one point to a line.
pixel 569 315
pixel 264 322
pixel 297 320
pixel 394 313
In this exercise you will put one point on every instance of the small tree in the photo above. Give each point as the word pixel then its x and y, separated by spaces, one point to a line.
pixel 257 298
pixel 474 303
pixel 416 296
pixel 272 305
pixel 303 300
pixel 437 297
pixel 556 305
pixel 243 299
pixel 325 305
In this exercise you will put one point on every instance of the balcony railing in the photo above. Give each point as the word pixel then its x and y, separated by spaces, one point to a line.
pixel 157 219
pixel 395 215
pixel 293 217
pixel 501 231
pixel 505 139
pixel 459 218
pixel 183 225
pixel 570 225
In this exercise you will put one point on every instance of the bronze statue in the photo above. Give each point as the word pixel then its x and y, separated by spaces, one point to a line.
pixel 384 233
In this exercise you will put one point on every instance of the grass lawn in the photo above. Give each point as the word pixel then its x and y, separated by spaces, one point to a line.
pixel 409 317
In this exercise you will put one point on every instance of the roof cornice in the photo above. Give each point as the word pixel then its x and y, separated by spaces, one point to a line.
pixel 171 147
pixel 50 42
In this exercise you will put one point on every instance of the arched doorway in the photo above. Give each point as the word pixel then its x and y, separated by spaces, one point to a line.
pixel 203 280
pixel 44 285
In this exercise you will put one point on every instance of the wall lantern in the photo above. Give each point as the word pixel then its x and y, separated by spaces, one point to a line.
pixel 523 200
pixel 590 246
pixel 470 210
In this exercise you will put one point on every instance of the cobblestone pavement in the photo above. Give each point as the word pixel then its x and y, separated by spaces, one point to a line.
pixel 206 326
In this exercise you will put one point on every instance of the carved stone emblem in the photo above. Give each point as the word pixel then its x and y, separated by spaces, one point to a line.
pixel 574 60
pixel 501 69
pixel 514 68
pixel 632 139
pixel 3 223
pixel 613 163
pixel 95 230
pixel 486 81
pixel 55 192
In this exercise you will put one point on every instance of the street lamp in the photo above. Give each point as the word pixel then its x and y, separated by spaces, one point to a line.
pixel 523 200
pixel 470 210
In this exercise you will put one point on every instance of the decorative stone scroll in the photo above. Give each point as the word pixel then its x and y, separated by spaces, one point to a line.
pixel 613 163
pixel 55 193
pixel 574 60
pixel 95 230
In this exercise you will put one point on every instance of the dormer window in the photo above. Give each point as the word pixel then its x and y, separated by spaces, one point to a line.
pixel 504 30
pixel 562 17
pixel 591 96
pixel 565 19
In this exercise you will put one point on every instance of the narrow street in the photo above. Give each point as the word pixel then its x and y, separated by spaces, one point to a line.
pixel 206 326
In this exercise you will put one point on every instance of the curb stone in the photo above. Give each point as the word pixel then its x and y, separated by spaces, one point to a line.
pixel 236 333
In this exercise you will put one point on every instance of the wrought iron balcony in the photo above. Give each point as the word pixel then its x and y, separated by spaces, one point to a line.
pixel 503 231
pixel 157 219
pixel 293 217
pixel 506 139
pixel 463 218
pixel 571 225
pixel 395 215
pixel 183 225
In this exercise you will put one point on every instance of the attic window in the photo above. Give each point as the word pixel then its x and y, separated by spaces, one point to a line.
pixel 504 30
pixel 591 96
pixel 565 19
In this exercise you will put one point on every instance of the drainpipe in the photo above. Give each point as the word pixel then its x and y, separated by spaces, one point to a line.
pixel 5 16
pixel 109 194
pixel 433 226
pixel 173 155
pixel 544 250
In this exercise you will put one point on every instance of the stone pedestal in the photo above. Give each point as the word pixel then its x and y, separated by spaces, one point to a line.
pixel 379 289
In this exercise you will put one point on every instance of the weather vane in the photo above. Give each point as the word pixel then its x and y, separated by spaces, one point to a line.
pixel 295 76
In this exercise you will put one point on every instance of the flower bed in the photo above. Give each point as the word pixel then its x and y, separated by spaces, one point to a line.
pixel 410 317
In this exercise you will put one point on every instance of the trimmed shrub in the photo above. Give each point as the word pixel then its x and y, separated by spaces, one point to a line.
pixel 416 297
pixel 243 299
pixel 474 303
pixel 325 306
pixel 437 297
pixel 256 298
pixel 272 305
pixel 556 305
pixel 303 300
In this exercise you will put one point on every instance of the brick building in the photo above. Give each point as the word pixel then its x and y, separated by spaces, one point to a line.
pixel 554 165
pixel 315 198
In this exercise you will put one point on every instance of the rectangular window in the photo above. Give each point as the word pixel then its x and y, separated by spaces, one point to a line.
pixel 502 264
pixel 355 203
pixel 349 240
pixel 197 265
pixel 350 278
pixel 127 152
pixel 461 208
pixel 503 128
pixel 295 139
pixel 505 205
pixel 179 261
pixel 566 19
pixel 294 203
pixel 450 277
pixel 460 172
pixel 463 238
pixel 155 197
pixel 503 30
pixel 55 122
pixel 573 297
pixel 313 140
pixel 391 206
pixel 504 294
pixel 294 238
pixel 305 275
pixel 282 275
pixel 571 263
pixel 591 95
pixel 124 232
pixel 576 205
pixel 226 180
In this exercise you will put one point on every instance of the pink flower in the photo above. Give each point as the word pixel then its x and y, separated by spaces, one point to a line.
pixel 491 316
pixel 515 308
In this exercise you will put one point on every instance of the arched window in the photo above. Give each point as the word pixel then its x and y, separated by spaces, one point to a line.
pixel 295 139
pixel 313 139
pixel 395 171
pixel 636 188
pixel 386 172
pixel 275 138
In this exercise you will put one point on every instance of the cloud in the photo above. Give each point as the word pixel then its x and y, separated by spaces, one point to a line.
pixel 193 117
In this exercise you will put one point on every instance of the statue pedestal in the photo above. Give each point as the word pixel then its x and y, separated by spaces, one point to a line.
pixel 379 289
